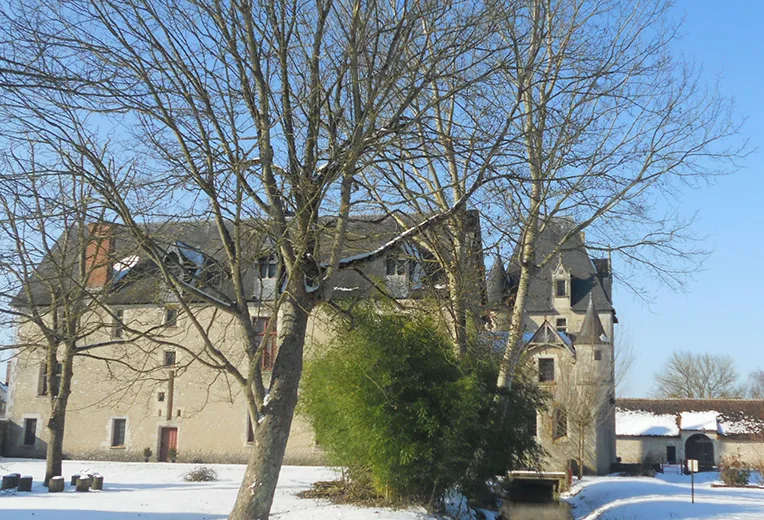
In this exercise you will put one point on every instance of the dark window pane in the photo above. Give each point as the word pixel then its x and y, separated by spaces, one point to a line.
pixel 390 265
pixel 169 358
pixel 560 288
pixel 268 267
pixel 118 432
pixel 160 397
pixel 171 317
pixel 117 327
pixel 597 355
pixel 546 369
pixel 30 431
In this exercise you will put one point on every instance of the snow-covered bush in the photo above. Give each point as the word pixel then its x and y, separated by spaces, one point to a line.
pixel 734 471
pixel 389 400
pixel 201 474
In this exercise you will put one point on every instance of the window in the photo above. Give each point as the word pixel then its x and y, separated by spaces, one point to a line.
pixel 546 370
pixel 118 432
pixel 562 325
pixel 30 431
pixel 117 328
pixel 171 317
pixel 42 383
pixel 160 397
pixel 396 265
pixel 597 355
pixel 169 358
pixel 560 288
pixel 177 413
pixel 250 430
pixel 671 454
pixel 560 424
pixel 268 267
pixel 269 347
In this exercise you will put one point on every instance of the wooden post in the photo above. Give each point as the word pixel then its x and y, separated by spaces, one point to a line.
pixel 73 482
pixel 97 482
pixel 56 485
pixel 25 483
pixel 83 483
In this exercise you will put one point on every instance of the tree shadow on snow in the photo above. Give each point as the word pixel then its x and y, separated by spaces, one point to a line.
pixel 78 514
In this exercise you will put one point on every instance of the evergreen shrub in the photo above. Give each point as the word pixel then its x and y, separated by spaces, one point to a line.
pixel 390 402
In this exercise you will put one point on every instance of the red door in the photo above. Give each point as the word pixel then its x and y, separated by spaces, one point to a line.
pixel 169 440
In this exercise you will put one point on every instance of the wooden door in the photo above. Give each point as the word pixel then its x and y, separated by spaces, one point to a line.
pixel 169 439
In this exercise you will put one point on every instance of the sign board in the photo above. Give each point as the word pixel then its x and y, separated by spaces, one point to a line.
pixel 692 465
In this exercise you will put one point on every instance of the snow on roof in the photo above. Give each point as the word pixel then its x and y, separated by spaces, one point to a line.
pixel 636 423
pixel 703 421
pixel 741 426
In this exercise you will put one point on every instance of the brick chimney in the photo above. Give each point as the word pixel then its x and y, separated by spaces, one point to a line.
pixel 98 254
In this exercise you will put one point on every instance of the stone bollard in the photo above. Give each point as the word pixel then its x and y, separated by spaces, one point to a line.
pixel 96 483
pixel 83 483
pixel 56 485
pixel 74 479
pixel 25 483
pixel 11 480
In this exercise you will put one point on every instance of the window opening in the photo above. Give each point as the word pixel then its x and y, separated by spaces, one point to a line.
pixel 270 347
pixel 30 431
pixel 118 432
pixel 546 370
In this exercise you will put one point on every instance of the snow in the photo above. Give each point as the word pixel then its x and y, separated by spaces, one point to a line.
pixel 663 497
pixel 637 423
pixel 740 426
pixel 703 421
pixel 156 491
pixel 122 267
pixel 191 254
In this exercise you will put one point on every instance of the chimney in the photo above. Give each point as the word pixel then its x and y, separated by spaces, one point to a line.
pixel 98 254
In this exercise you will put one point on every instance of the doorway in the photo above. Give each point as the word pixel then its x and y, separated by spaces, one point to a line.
pixel 168 439
pixel 701 448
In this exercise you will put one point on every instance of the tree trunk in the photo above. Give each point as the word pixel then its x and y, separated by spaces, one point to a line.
pixel 458 315
pixel 57 421
pixel 272 428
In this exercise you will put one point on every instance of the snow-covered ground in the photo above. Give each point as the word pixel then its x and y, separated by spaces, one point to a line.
pixel 154 491
pixel 666 496
pixel 157 492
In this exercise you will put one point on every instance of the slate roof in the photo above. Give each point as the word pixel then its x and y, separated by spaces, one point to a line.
pixel 737 418
pixel 198 242
pixel 497 283
pixel 592 332
pixel 589 277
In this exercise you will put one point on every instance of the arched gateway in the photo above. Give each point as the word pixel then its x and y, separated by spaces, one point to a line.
pixel 700 447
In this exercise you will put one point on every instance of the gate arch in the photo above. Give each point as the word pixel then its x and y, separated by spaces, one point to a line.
pixel 700 447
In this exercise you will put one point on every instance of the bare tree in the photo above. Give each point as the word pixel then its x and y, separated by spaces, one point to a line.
pixel 54 268
pixel 756 384
pixel 687 375
pixel 256 117
pixel 608 123
pixel 624 359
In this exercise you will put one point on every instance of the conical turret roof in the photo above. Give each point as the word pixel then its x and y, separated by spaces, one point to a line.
pixel 496 284
pixel 592 332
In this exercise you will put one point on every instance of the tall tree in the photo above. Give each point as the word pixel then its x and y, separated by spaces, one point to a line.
pixel 756 384
pixel 55 267
pixel 609 123
pixel 687 375
pixel 256 116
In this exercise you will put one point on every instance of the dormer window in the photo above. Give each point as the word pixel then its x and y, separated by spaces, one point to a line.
pixel 268 267
pixel 560 288
pixel 396 265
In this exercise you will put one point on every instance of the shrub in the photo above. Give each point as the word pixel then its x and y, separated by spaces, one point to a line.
pixel 201 474
pixel 734 471
pixel 389 401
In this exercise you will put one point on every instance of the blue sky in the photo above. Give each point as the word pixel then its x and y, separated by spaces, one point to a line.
pixel 720 309
pixel 727 40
